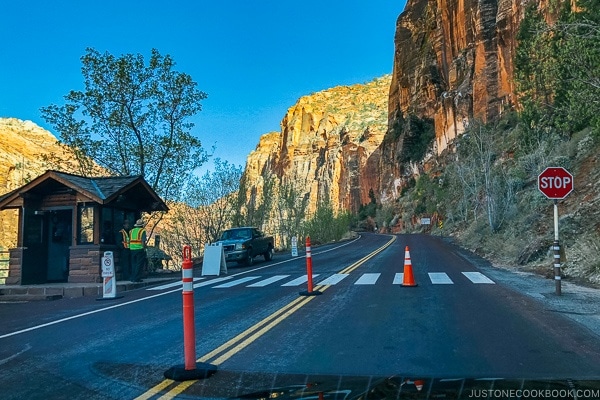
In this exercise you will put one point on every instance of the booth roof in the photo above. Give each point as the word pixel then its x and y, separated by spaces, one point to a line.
pixel 103 190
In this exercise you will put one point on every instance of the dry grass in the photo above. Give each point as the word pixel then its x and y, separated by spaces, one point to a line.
pixel 583 258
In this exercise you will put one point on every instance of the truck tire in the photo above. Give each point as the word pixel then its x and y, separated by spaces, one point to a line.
pixel 268 254
pixel 249 259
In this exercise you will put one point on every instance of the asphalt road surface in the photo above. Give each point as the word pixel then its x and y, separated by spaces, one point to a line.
pixel 459 323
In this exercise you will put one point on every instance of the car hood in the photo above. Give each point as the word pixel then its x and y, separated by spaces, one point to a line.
pixel 231 241
pixel 235 384
pixel 397 387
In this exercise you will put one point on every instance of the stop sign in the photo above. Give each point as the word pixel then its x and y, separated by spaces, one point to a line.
pixel 555 182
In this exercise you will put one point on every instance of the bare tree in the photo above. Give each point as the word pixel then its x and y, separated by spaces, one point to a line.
pixel 255 202
pixel 290 207
pixel 208 209
pixel 485 184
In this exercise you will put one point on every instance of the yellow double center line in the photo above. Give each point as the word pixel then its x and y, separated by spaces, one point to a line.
pixel 241 341
pixel 363 260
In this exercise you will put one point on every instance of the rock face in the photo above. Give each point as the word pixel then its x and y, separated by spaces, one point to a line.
pixel 21 145
pixel 325 145
pixel 453 63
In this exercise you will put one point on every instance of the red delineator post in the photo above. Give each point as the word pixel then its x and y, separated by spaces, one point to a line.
pixel 310 291
pixel 189 330
pixel 309 264
pixel 191 369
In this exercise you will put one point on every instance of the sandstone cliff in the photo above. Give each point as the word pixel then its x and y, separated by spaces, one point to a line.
pixel 22 143
pixel 325 145
pixel 453 63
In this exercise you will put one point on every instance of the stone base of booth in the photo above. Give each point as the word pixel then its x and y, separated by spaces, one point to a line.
pixel 54 291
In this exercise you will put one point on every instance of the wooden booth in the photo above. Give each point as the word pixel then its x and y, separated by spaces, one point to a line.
pixel 67 222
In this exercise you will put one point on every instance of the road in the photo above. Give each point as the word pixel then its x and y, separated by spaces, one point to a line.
pixel 458 322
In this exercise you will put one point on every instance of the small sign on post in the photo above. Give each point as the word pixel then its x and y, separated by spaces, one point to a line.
pixel 294 246
pixel 556 183
pixel 109 281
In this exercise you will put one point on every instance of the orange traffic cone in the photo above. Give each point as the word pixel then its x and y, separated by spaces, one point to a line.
pixel 409 279
pixel 419 384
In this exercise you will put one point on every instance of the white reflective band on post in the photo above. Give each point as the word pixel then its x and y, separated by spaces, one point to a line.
pixel 557 256
pixel 557 278
pixel 556 265
pixel 188 286
pixel 556 248
pixel 188 273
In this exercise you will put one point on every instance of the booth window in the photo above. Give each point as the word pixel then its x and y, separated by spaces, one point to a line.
pixel 107 234
pixel 86 224
pixel 121 215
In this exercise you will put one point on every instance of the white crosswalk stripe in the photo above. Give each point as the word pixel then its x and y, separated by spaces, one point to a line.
pixel 440 278
pixel 299 281
pixel 333 279
pixel 398 278
pixel 268 281
pixel 477 277
pixel 236 282
pixel 171 285
pixel 435 278
pixel 210 282
pixel 367 279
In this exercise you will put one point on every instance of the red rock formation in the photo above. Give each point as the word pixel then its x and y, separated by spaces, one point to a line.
pixel 453 63
pixel 324 145
pixel 22 145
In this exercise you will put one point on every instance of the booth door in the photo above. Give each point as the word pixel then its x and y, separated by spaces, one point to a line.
pixel 47 236
pixel 35 249
pixel 59 240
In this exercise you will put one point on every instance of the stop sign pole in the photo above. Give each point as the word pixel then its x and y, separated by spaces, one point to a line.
pixel 556 183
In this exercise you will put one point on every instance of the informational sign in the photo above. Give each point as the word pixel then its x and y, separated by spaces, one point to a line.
pixel 108 264
pixel 109 282
pixel 214 262
pixel 425 221
pixel 294 246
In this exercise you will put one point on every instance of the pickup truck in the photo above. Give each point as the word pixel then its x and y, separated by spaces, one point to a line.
pixel 245 243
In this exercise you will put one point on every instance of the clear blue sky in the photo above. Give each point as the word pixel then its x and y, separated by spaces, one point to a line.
pixel 254 58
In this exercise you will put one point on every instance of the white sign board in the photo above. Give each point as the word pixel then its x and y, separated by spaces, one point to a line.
pixel 294 246
pixel 108 265
pixel 425 221
pixel 109 283
pixel 214 262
